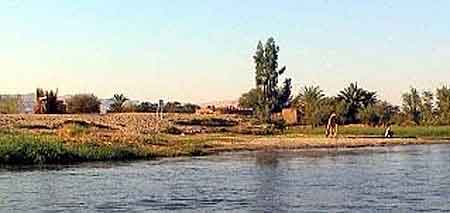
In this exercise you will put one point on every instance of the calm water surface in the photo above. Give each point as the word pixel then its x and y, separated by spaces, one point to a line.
pixel 387 179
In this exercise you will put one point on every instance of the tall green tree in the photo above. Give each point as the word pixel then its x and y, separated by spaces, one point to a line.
pixel 309 101
pixel 267 73
pixel 427 107
pixel 443 104
pixel 412 104
pixel 118 102
pixel 355 99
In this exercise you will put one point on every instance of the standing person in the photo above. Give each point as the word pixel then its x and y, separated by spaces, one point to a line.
pixel 332 126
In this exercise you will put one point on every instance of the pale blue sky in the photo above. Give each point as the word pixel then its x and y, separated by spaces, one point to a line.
pixel 202 50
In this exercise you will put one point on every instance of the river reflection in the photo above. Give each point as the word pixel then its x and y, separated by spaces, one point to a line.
pixel 397 179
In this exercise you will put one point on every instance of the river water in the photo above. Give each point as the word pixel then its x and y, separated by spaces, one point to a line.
pixel 387 179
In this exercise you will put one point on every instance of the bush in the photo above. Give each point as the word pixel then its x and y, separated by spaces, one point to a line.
pixel 9 105
pixel 83 103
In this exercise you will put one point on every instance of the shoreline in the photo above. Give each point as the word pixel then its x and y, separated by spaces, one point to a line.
pixel 309 143
pixel 67 139
pixel 70 154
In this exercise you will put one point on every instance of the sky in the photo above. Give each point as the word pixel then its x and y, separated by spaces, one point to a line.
pixel 201 50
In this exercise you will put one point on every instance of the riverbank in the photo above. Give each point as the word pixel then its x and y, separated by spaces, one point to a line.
pixel 67 139
pixel 30 148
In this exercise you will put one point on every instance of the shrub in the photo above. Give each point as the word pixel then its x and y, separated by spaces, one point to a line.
pixel 9 105
pixel 83 103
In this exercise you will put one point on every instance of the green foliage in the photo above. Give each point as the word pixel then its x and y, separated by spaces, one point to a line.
pixel 32 150
pixel 427 108
pixel 443 105
pixel 251 98
pixel 355 98
pixel 118 102
pixel 17 148
pixel 379 114
pixel 330 105
pixel 83 103
pixel 412 105
pixel 147 107
pixel 267 97
pixel 284 95
pixel 370 115
pixel 387 112
pixel 267 73
pixel 309 101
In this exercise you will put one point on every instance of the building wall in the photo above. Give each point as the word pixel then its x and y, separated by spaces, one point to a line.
pixel 290 115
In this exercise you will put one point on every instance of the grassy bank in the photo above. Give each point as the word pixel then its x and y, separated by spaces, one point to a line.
pixel 28 149
pixel 79 144
pixel 21 148
pixel 406 132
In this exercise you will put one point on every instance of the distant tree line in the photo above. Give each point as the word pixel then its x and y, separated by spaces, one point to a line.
pixel 353 104
pixel 47 102
pixel 169 107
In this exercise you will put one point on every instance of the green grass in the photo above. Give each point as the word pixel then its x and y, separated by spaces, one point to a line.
pixel 19 148
pixel 418 131
pixel 37 149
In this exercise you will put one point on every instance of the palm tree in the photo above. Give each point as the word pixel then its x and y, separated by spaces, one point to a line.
pixel 118 101
pixel 355 99
pixel 309 100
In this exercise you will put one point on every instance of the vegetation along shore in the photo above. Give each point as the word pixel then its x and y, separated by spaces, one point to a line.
pixel 82 127
pixel 66 139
